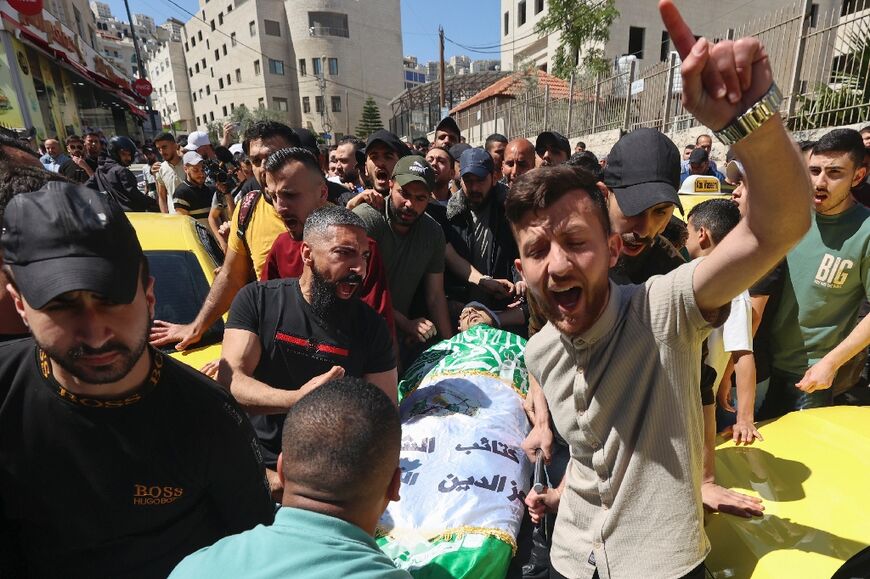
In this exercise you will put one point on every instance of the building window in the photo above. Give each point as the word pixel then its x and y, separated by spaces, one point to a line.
pixel 194 97
pixel 211 116
pixel 328 24
pixel 852 6
pixel 232 107
pixel 232 39
pixel 224 108
pixel 170 85
pixel 261 102
pixel 229 8
pixel 306 105
pixel 196 67
pixel 521 13
pixel 238 75
pixel 302 63
pixel 666 46
pixel 186 47
pixel 507 23
pixel 280 104
pixel 221 21
pixel 203 65
pixel 336 104
pixel 208 89
pixel 539 6
pixel 333 66
pixel 189 72
pixel 229 80
pixel 212 25
pixel 318 104
pixel 193 41
pixel 276 66
pixel 272 27
pixel 256 68
pixel 224 48
pixel 635 41
pixel 199 35
pixel 315 66
pixel 220 83
pixel 252 27
pixel 217 54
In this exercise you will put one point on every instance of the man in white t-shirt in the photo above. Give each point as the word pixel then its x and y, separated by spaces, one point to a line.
pixel 169 173
pixel 708 224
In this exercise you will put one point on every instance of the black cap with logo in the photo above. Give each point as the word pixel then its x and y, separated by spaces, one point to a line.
pixel 68 237
pixel 554 139
pixel 643 170
pixel 389 139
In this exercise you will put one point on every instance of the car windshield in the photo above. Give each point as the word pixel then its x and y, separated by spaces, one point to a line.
pixel 180 287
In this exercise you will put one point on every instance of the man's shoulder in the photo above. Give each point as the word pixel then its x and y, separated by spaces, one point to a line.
pixel 13 354
pixel 366 211
pixel 543 346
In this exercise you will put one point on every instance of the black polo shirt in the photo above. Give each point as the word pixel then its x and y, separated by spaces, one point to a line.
pixel 195 199
pixel 120 488
pixel 298 345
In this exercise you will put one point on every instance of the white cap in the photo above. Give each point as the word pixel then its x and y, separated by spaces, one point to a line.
pixel 192 158
pixel 700 185
pixel 197 139
pixel 236 148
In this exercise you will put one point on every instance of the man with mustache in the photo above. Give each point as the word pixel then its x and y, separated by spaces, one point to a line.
pixel 519 159
pixel 383 150
pixel 285 337
pixel 157 459
pixel 412 245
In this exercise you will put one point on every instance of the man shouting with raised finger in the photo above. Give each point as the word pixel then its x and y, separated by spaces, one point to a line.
pixel 617 367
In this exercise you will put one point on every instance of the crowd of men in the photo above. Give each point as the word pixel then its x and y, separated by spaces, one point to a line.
pixel 648 335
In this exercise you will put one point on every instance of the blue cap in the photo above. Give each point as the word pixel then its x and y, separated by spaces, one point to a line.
pixel 477 162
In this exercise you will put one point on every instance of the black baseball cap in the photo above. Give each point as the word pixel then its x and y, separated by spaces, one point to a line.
pixel 643 169
pixel 390 140
pixel 307 141
pixel 448 124
pixel 551 138
pixel 457 150
pixel 66 237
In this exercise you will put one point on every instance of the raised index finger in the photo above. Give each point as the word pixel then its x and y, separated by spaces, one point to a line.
pixel 680 32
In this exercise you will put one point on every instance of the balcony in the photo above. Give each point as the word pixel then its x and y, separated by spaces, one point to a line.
pixel 328 31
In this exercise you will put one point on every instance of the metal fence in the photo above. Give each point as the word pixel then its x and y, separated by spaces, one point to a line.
pixel 821 62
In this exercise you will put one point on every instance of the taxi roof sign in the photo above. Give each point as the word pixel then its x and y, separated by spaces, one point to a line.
pixel 700 185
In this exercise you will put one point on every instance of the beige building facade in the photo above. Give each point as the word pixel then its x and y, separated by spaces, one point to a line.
pixel 638 30
pixel 167 71
pixel 314 62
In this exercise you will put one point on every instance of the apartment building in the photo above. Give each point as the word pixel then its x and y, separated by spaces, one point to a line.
pixel 167 71
pixel 315 62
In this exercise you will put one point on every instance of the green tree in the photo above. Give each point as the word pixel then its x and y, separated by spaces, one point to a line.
pixel 585 28
pixel 371 119
pixel 244 117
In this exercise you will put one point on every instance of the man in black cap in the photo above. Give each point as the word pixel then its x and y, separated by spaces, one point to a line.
pixel 699 164
pixel 447 133
pixel 383 150
pixel 86 399
pixel 552 148
pixel 115 178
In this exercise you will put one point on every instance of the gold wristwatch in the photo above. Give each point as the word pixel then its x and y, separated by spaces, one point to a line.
pixel 745 124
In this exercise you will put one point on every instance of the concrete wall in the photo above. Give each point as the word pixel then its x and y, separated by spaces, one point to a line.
pixel 167 71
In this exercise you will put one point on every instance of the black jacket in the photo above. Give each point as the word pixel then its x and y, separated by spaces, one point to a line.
pixel 504 251
pixel 120 182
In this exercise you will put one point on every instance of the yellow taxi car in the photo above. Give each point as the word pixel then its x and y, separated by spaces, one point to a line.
pixel 813 472
pixel 182 257
pixel 695 190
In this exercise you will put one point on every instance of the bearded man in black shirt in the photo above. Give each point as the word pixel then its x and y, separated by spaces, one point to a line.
pixel 115 460
pixel 286 337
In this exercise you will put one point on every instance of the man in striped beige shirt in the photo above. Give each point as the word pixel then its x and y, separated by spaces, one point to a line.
pixel 618 367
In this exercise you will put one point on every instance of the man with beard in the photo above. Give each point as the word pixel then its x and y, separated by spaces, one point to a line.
pixel 441 162
pixel 75 168
pixel 114 177
pixel 80 167
pixel 296 185
pixel 620 365
pixel 412 245
pixel 383 150
pixel 255 225
pixel 519 158
pixel 552 148
pixel 476 214
pixel 170 172
pixel 285 337
pixel 495 145
pixel 346 167
pixel 157 459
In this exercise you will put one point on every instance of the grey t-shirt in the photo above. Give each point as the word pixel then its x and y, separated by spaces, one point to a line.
pixel 407 258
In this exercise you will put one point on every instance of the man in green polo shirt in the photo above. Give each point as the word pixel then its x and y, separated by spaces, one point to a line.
pixel 814 331
pixel 339 467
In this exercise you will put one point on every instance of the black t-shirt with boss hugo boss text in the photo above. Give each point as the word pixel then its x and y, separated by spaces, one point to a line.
pixel 298 345
pixel 120 488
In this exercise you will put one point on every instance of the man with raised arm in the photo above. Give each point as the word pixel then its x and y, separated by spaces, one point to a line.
pixel 618 366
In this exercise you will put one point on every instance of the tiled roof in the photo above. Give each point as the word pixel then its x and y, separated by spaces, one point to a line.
pixel 514 85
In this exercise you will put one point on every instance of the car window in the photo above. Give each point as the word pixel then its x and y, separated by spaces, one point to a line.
pixel 180 287
pixel 209 244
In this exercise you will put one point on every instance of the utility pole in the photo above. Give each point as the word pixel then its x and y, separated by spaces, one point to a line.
pixel 440 68
pixel 139 64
